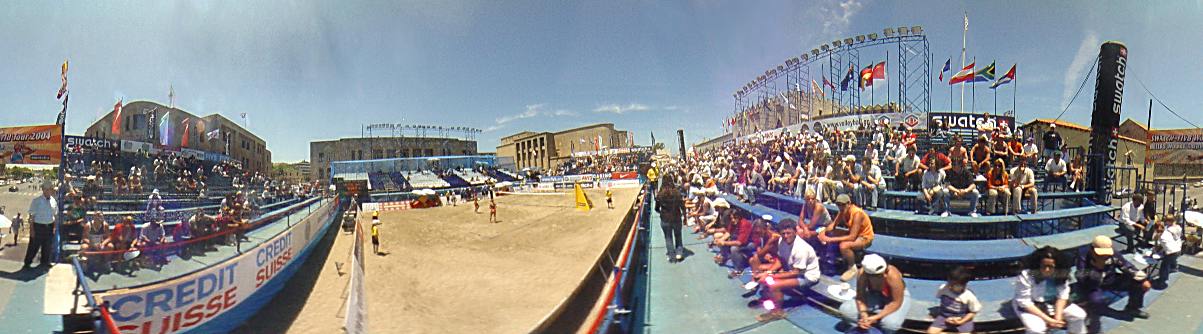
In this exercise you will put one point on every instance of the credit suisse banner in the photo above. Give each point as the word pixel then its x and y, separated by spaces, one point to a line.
pixel 186 302
pixel 1182 146
pixel 37 145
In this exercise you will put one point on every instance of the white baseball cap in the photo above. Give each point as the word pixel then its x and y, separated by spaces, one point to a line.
pixel 874 264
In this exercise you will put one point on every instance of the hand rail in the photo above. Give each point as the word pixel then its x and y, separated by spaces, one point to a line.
pixel 614 299
pixel 100 313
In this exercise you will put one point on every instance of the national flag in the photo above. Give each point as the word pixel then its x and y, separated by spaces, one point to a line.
pixel 879 71
pixel 866 77
pixel 1006 78
pixel 62 115
pixel 117 118
pixel 216 133
pixel 847 78
pixel 947 67
pixel 964 75
pixel 815 88
pixel 828 84
pixel 986 74
pixel 62 89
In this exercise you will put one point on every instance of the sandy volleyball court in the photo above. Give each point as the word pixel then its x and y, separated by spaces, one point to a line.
pixel 449 271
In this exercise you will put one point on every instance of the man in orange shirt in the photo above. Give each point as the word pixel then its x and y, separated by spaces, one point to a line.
pixel 859 236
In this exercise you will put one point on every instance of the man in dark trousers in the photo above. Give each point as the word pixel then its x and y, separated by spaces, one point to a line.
pixel 41 217
pixel 671 207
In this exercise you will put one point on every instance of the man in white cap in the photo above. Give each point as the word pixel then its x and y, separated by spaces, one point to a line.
pixel 881 297
pixel 1102 270
pixel 41 216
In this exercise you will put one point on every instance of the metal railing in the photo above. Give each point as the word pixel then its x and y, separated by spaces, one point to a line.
pixel 102 320
pixel 615 303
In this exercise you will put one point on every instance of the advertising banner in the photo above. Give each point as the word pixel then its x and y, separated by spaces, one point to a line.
pixel 35 145
pixel 77 144
pixel 849 122
pixel 190 301
pixel 969 121
pixel 1104 119
pixel 1182 146
pixel 357 308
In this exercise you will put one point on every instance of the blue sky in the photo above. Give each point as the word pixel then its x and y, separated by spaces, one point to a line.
pixel 306 70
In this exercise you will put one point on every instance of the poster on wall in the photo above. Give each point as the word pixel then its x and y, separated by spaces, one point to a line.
pixel 36 145
pixel 1181 146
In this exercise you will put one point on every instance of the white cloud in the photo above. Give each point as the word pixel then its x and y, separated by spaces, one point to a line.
pixel 671 108
pixel 836 17
pixel 1087 52
pixel 618 109
pixel 531 111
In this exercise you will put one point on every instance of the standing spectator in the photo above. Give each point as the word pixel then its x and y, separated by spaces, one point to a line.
pixel 15 229
pixel 859 236
pixel 958 305
pixel 1023 183
pixel 1170 244
pixel 376 236
pixel 996 184
pixel 1042 294
pixel 799 269
pixel 881 297
pixel 672 210
pixel 1101 272
pixel 1055 170
pixel 932 192
pixel 1052 141
pixel 41 216
pixel 961 186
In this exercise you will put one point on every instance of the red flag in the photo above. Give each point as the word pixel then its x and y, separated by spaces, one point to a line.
pixel 184 137
pixel 879 71
pixel 965 74
pixel 866 77
pixel 117 118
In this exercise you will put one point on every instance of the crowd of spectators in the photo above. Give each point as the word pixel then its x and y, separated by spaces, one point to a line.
pixel 598 164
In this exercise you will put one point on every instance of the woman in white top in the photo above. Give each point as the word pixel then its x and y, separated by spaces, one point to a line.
pixel 1042 294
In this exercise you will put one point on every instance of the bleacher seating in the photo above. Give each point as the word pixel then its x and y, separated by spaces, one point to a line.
pixel 425 180
pixel 455 181
pixel 473 177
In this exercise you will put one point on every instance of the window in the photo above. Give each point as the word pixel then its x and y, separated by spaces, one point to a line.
pixel 321 156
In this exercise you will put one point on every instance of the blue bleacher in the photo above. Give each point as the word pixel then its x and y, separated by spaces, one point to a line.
pixel 455 181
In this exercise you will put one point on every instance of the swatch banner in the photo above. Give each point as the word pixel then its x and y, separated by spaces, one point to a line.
pixel 1182 146
pixel 969 121
pixel 37 145
pixel 77 144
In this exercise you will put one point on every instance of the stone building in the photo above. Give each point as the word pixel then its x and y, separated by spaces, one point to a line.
pixel 545 150
pixel 322 153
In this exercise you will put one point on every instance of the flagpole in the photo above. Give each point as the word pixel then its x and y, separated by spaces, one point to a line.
pixel 973 104
pixel 964 39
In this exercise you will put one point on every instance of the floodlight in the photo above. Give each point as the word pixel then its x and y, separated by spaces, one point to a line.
pixel 780 68
pixel 836 43
pixel 805 57
pixel 825 47
pixel 860 38
pixel 796 59
pixel 889 32
pixel 873 36
pixel 814 51
pixel 917 30
pixel 848 41
pixel 903 31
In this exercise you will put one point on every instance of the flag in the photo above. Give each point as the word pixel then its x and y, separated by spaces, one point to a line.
pixel 879 71
pixel 985 74
pixel 847 78
pixel 1006 78
pixel 866 77
pixel 947 67
pixel 965 74
pixel 828 84
pixel 62 89
pixel 117 118
pixel 814 87
pixel 62 115
pixel 165 129
pixel 184 136
pixel 216 133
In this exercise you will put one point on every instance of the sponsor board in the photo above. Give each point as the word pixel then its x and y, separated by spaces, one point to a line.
pixel 624 175
pixel 846 122
pixel 185 303
pixel 969 121
pixel 36 145
pixel 77 144
pixel 1181 146
pixel 1104 118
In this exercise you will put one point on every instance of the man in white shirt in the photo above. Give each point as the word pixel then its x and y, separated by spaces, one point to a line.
pixel 799 270
pixel 1055 169
pixel 872 184
pixel 41 216
pixel 1133 219
pixel 932 191
pixel 1171 246
pixel 1030 150
pixel 1023 182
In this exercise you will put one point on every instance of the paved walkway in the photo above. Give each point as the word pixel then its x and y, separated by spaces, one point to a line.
pixel 1177 309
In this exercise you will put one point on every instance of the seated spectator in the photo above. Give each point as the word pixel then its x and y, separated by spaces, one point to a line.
pixel 932 192
pixel 1023 184
pixel 1031 152
pixel 96 232
pixel 814 215
pixel 719 230
pixel 1102 270
pixel 1077 174
pixel 961 186
pixel 1056 171
pixel 909 175
pixel 1015 149
pixel 957 151
pixel 1000 148
pixel 1042 294
pixel 742 231
pixel 980 154
pixel 933 156
pixel 799 270
pixel 851 179
pixel 881 300
pixel 997 181
pixel 858 235
pixel 872 185
pixel 153 235
pixel 762 240
pixel 958 305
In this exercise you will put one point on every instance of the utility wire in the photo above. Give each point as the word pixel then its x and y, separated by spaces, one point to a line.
pixel 1155 98
pixel 1075 97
